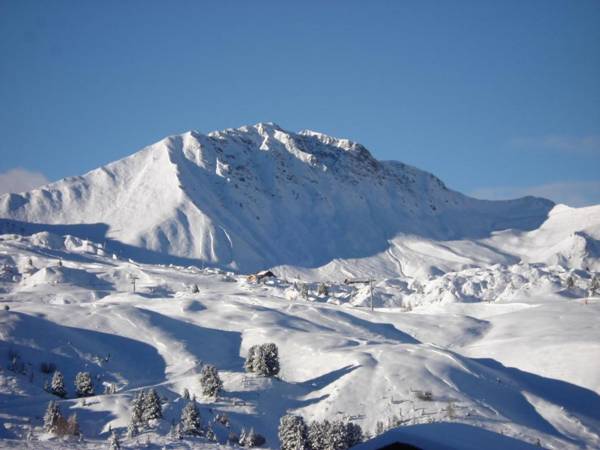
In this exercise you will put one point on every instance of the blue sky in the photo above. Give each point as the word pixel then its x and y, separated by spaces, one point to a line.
pixel 498 99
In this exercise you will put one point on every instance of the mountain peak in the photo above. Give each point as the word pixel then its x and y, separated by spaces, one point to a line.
pixel 258 196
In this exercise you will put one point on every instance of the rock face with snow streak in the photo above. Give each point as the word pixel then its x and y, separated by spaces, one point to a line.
pixel 260 196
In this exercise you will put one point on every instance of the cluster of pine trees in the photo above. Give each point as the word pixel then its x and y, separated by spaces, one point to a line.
pixel 294 434
pixel 84 387
pixel 59 425
pixel 146 407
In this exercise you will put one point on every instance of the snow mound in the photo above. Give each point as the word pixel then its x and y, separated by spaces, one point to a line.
pixel 63 275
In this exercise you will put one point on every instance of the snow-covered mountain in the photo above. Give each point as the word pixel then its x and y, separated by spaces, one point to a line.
pixel 479 330
pixel 260 196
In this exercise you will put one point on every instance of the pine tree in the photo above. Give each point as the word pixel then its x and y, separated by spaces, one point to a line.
pixel 263 359
pixel 595 285
pixel 318 434
pixel 570 282
pixel 83 384
pixel 293 433
pixel 186 394
pixel 270 355
pixel 152 406
pixel 57 385
pixel 250 358
pixel 354 434
pixel 210 381
pixel 113 442
pixel 191 422
pixel 137 410
pixel 52 418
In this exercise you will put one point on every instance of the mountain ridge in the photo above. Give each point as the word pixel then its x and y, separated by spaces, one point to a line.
pixel 260 196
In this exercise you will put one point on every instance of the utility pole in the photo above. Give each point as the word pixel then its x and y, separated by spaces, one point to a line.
pixel 133 278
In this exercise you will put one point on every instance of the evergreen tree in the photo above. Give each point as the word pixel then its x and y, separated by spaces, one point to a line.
pixel 191 422
pixel 570 282
pixel 137 410
pixel 293 434
pixel 318 434
pixel 195 289
pixel 83 384
pixel 263 359
pixel 270 360
pixel 57 385
pixel 354 434
pixel 152 406
pixel 595 285
pixel 185 394
pixel 210 381
pixel 250 358
pixel 52 418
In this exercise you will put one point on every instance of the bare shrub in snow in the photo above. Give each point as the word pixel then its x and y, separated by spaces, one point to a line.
pixel 175 432
pixel 251 438
pixel 73 425
pixel 323 290
pixel 53 418
pixel 113 442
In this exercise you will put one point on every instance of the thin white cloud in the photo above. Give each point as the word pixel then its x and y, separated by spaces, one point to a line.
pixel 572 193
pixel 559 143
pixel 19 180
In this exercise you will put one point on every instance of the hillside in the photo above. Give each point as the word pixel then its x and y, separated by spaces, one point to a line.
pixel 509 370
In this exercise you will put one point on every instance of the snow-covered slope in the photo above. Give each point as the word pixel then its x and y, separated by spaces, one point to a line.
pixel 260 196
pixel 508 358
